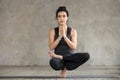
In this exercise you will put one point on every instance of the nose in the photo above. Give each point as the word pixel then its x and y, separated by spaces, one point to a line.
pixel 61 18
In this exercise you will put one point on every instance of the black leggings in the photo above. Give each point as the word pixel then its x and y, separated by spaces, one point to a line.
pixel 71 62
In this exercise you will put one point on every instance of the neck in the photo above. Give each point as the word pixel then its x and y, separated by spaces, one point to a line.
pixel 65 26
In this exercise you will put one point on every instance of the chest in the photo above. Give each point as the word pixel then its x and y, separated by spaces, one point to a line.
pixel 68 33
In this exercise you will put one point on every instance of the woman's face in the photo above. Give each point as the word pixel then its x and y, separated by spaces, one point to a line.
pixel 62 18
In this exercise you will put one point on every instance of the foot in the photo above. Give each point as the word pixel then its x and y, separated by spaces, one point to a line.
pixel 52 54
pixel 63 73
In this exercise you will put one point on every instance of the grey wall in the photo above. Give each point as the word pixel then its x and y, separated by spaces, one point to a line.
pixel 24 27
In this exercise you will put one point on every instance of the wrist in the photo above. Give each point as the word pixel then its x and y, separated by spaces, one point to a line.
pixel 65 36
pixel 60 37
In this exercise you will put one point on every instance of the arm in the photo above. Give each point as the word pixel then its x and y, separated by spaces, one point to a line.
pixel 73 42
pixel 52 43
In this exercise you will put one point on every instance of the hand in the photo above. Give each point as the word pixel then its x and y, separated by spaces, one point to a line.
pixel 62 32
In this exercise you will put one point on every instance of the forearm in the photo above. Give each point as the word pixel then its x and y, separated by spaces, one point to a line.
pixel 71 44
pixel 55 43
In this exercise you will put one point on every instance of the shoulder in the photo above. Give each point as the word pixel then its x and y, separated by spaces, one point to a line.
pixel 73 29
pixel 52 30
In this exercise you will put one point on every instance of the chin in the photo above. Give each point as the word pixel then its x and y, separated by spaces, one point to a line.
pixel 62 23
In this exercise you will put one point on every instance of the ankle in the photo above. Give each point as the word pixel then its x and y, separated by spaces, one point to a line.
pixel 63 73
pixel 61 57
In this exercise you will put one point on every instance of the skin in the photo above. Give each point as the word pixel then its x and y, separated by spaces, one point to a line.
pixel 62 23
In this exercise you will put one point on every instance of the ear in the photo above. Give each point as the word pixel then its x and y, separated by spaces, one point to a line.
pixel 67 18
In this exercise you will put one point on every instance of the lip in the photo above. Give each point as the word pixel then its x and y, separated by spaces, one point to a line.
pixel 61 21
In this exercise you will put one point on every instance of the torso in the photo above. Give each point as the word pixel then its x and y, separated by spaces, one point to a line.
pixel 62 48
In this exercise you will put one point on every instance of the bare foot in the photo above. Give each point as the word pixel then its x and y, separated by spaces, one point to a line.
pixel 63 73
pixel 52 54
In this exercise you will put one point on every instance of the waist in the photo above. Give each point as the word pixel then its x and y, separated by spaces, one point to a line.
pixel 63 49
pixel 64 53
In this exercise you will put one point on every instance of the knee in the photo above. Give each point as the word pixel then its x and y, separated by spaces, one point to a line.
pixel 87 56
pixel 56 64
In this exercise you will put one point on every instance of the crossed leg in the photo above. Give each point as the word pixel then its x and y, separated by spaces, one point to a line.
pixel 71 62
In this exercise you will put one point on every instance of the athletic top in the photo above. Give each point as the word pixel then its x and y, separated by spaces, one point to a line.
pixel 63 48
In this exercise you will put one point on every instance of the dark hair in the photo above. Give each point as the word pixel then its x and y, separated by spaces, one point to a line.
pixel 62 8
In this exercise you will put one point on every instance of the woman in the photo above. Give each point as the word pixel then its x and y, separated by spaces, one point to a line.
pixel 63 40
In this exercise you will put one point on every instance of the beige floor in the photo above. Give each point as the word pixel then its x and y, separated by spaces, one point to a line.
pixel 46 73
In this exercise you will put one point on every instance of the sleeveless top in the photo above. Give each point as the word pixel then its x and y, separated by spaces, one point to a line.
pixel 62 48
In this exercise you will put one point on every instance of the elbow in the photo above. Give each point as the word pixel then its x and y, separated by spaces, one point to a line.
pixel 50 47
pixel 74 48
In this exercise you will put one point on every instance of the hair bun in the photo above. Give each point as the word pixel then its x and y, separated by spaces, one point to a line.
pixel 62 8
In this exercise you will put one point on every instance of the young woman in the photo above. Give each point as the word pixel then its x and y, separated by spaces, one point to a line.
pixel 63 40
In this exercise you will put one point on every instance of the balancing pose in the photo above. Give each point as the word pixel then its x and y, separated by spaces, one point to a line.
pixel 63 40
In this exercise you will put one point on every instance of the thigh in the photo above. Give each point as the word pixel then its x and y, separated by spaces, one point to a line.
pixel 76 60
pixel 77 57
